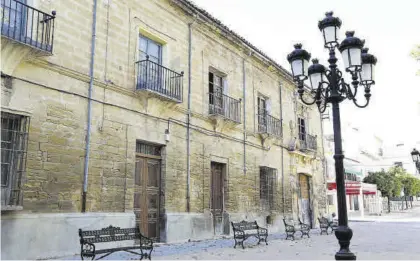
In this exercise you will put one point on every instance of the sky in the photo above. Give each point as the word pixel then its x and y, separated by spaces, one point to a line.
pixel 391 30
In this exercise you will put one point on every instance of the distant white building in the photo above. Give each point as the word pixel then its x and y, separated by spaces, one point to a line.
pixel 363 154
pixel 400 154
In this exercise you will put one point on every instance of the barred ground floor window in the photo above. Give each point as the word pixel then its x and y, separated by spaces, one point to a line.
pixel 14 141
pixel 268 184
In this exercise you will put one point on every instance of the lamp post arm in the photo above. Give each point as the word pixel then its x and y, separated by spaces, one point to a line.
pixel 301 91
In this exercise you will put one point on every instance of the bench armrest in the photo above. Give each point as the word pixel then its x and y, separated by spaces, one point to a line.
pixel 87 249
pixel 262 230
pixel 289 228
pixel 304 226
pixel 145 240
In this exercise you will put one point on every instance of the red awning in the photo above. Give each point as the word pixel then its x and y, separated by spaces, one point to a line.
pixel 369 192
pixel 352 187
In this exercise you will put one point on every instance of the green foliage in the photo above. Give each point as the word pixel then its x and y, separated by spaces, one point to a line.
pixel 391 182
pixel 382 181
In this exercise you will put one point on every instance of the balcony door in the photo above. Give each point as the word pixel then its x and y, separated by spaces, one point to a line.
pixel 216 94
pixel 302 129
pixel 262 114
pixel 150 73
pixel 13 15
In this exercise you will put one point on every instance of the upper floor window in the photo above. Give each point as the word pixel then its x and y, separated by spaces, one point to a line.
pixel 302 129
pixel 220 104
pixel 398 164
pixel 262 113
pixel 148 47
pixel 14 137
pixel 217 85
pixel 152 76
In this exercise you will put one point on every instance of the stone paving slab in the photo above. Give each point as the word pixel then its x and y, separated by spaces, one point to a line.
pixel 371 241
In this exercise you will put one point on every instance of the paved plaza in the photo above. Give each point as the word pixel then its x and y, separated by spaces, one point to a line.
pixel 390 237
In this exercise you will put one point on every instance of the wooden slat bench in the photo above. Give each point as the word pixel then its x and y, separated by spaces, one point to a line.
pixel 243 230
pixel 90 238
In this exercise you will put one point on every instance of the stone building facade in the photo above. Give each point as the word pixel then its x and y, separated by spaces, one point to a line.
pixel 190 126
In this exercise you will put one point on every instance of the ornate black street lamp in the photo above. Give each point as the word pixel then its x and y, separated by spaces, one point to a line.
pixel 328 86
pixel 415 154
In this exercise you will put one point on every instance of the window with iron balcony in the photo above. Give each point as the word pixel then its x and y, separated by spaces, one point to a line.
pixel 26 25
pixel 220 104
pixel 155 78
pixel 267 124
pixel 307 142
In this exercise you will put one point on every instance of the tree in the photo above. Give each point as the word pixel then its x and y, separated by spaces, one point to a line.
pixel 415 53
pixel 384 183
pixel 396 174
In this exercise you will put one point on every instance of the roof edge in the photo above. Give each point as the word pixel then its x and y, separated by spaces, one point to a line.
pixel 189 4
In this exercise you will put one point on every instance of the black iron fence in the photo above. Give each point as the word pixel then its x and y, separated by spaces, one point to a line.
pixel 223 105
pixel 269 124
pixel 154 77
pixel 308 143
pixel 25 24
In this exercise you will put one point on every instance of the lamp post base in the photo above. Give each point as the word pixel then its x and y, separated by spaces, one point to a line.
pixel 344 235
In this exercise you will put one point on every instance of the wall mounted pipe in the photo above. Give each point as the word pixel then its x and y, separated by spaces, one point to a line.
pixel 281 148
pixel 244 100
pixel 89 108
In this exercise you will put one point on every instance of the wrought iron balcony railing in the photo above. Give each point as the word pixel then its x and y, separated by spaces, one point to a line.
pixel 269 124
pixel 27 25
pixel 225 106
pixel 158 79
pixel 307 142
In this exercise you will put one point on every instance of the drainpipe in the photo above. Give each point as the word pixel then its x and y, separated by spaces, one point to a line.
pixel 189 114
pixel 244 99
pixel 282 156
pixel 89 115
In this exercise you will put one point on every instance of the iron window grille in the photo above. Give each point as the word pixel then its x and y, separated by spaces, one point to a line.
pixel 148 149
pixel 14 143
pixel 268 188
pixel 27 25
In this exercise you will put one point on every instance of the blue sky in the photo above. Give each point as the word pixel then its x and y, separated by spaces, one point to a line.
pixel 390 28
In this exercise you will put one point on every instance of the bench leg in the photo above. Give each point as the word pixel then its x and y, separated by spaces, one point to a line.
pixel 291 235
pixel 303 233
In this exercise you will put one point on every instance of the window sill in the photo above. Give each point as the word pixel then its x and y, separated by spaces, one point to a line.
pixel 11 208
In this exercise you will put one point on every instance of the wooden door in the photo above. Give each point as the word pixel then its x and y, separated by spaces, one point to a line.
pixel 217 196
pixel 304 198
pixel 146 195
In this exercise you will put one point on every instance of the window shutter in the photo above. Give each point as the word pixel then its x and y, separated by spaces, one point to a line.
pixel 225 86
pixel 268 104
